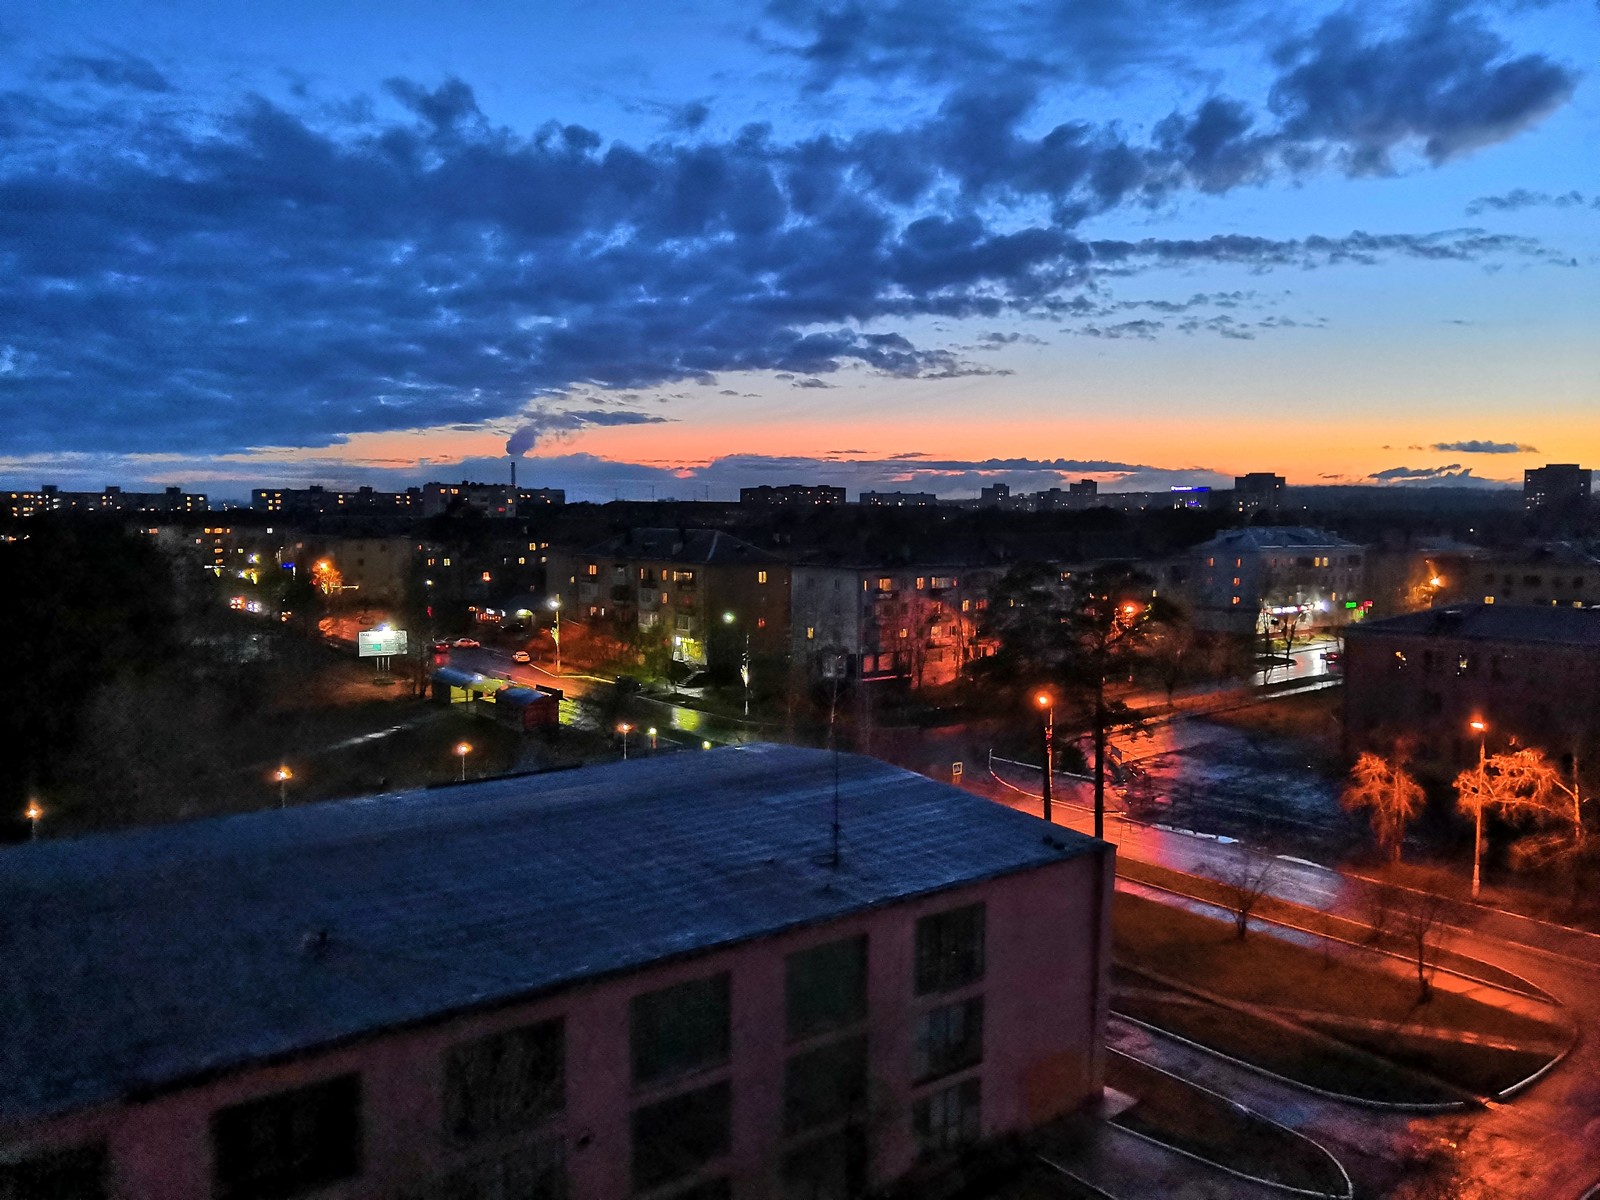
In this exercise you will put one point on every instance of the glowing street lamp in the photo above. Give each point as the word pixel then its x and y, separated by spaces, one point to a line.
pixel 461 751
pixel 1481 728
pixel 555 630
pixel 705 745
pixel 624 729
pixel 33 812
pixel 1047 706
pixel 282 775
pixel 651 732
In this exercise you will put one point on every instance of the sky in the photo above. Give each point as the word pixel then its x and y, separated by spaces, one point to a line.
pixel 668 249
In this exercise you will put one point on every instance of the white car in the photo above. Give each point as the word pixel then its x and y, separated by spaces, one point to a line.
pixel 520 656
pixel 467 643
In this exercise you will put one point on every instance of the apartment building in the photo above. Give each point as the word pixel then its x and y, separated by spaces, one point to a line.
pixel 665 979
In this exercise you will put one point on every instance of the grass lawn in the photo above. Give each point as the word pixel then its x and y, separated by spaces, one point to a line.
pixel 1292 1053
pixel 1309 918
pixel 1191 1119
pixel 1312 718
pixel 1203 953
pixel 1485 1070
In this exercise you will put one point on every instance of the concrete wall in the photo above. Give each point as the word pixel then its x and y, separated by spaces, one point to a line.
pixel 1044 988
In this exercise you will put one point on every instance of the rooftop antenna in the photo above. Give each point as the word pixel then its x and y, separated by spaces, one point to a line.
pixel 833 668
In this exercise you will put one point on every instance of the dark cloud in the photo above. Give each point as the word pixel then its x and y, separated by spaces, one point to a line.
pixel 1453 475
pixel 1522 198
pixel 1483 447
pixel 1445 82
pixel 540 426
pixel 115 71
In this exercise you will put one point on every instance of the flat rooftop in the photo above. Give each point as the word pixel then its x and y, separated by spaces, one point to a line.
pixel 137 961
pixel 1544 623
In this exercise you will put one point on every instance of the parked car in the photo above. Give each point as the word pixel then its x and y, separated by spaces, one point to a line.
pixel 521 656
pixel 441 647
pixel 467 643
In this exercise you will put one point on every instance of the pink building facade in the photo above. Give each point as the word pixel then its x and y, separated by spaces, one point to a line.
pixel 812 1060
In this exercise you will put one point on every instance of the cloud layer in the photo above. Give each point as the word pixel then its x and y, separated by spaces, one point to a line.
pixel 268 276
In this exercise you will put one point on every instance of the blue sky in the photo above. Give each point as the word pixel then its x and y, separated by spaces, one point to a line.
pixel 673 248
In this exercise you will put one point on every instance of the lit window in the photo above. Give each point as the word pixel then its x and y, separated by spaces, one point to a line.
pixel 761 622
pixel 811 632
pixel 761 576
pixel 1236 599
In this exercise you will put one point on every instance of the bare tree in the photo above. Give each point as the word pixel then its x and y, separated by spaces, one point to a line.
pixel 1419 920
pixel 1244 885
pixel 1389 793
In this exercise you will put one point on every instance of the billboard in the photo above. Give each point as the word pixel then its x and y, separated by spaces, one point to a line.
pixel 380 643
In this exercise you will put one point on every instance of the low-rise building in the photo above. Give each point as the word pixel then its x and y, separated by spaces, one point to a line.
pixel 714 599
pixel 917 623
pixel 1531 673
pixel 668 977
pixel 1260 578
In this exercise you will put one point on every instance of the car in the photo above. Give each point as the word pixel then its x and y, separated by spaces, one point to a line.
pixel 467 643
pixel 521 656
pixel 441 647
pixel 627 685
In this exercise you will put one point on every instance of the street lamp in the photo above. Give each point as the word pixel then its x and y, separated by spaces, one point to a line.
pixel 652 734
pixel 1047 705
pixel 461 751
pixel 555 630
pixel 1481 728
pixel 624 729
pixel 283 775
pixel 33 812
pixel 744 663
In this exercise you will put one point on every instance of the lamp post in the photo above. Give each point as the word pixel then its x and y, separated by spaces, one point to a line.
pixel 33 812
pixel 1481 728
pixel 624 729
pixel 555 630
pixel 744 663
pixel 282 775
pixel 651 732
pixel 1047 705
pixel 461 751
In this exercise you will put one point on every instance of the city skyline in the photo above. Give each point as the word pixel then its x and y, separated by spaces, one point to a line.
pixel 676 252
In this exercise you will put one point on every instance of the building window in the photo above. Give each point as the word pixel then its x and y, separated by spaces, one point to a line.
pixel 680 1029
pixel 505 1080
pixel 949 949
pixel 825 1084
pixel 826 987
pixel 79 1173
pixel 947 1119
pixel 949 1039
pixel 537 1171
pixel 761 622
pixel 811 632
pixel 675 1137
pixel 761 576
pixel 828 1168
pixel 293 1142
pixel 885 584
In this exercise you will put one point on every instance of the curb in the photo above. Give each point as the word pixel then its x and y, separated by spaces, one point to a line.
pixel 1349 1186
pixel 1099 1192
pixel 1360 1101
pixel 1515 1088
pixel 1537 993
